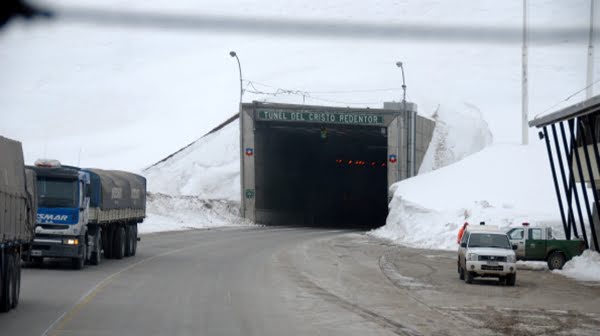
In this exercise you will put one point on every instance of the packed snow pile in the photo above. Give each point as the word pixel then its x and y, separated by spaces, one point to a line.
pixel 208 169
pixel 501 185
pixel 585 267
pixel 174 213
pixel 459 132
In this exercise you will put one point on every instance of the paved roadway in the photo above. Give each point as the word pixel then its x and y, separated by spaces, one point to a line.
pixel 286 281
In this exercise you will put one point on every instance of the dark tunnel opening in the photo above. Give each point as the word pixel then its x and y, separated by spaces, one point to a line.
pixel 322 176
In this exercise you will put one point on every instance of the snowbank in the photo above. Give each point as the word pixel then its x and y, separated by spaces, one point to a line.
pixel 174 213
pixel 585 267
pixel 502 185
pixel 207 169
pixel 459 132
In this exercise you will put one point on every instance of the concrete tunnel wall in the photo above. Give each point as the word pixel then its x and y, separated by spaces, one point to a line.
pixel 359 123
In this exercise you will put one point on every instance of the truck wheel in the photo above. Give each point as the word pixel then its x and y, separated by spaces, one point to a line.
pixel 96 256
pixel 119 243
pixel 469 277
pixel 108 240
pixel 79 263
pixel 134 229
pixel 511 279
pixel 556 260
pixel 128 242
pixel 6 297
pixel 17 282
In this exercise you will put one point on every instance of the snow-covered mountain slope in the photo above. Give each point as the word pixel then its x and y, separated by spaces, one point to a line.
pixel 209 168
pixel 118 97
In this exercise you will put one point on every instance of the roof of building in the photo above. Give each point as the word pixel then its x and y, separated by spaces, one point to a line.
pixel 583 108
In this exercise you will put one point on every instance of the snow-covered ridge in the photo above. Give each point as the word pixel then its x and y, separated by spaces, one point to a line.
pixel 174 213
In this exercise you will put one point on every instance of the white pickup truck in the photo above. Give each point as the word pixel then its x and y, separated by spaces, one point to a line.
pixel 485 251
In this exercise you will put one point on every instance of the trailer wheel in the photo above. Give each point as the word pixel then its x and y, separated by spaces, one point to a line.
pixel 6 297
pixel 119 243
pixel 128 242
pixel 17 281
pixel 556 260
pixel 134 229
pixel 108 242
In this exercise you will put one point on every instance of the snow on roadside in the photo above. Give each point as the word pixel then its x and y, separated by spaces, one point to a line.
pixel 176 213
pixel 585 267
pixel 503 185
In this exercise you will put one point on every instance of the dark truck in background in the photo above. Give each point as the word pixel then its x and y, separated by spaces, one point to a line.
pixel 538 244
pixel 85 214
pixel 17 219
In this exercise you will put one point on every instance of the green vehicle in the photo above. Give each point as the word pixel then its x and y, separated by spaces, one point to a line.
pixel 537 243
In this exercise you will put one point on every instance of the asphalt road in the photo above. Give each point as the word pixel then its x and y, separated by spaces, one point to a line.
pixel 285 281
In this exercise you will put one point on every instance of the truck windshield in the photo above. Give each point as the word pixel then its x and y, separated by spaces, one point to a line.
pixel 54 193
pixel 489 240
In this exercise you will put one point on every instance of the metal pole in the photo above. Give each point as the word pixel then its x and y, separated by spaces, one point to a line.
pixel 410 121
pixel 524 83
pixel 241 121
pixel 555 178
pixel 590 56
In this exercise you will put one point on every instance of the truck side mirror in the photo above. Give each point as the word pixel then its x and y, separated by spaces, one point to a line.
pixel 514 247
pixel 463 244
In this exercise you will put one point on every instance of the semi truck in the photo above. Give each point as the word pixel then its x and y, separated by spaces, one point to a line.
pixel 86 214
pixel 17 219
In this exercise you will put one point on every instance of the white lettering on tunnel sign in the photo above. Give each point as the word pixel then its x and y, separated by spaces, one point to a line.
pixel 321 117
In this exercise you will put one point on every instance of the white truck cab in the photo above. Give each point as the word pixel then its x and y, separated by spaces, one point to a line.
pixel 486 251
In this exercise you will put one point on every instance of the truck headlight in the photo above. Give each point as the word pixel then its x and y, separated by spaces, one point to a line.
pixel 511 258
pixel 472 256
pixel 71 241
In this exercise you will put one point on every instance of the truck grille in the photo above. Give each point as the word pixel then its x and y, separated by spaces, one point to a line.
pixel 492 258
pixel 492 268
pixel 53 226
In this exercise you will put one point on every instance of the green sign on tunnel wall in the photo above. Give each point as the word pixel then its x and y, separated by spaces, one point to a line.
pixel 321 117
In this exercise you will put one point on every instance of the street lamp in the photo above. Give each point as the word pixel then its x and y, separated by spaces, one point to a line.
pixel 240 116
pixel 234 54
pixel 411 125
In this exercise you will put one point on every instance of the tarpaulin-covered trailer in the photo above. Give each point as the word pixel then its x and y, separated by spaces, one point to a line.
pixel 116 196
pixel 17 210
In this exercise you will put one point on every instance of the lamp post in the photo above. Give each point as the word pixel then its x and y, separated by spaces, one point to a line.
pixel 410 121
pixel 241 121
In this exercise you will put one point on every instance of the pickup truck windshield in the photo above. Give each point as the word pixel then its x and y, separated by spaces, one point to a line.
pixel 489 240
pixel 57 193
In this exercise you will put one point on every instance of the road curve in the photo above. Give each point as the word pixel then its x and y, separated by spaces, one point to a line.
pixel 205 282
pixel 291 281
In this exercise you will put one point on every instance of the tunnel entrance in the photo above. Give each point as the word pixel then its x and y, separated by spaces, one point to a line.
pixel 326 166
pixel 321 175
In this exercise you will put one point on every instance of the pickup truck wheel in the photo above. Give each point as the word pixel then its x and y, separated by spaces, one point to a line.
pixel 502 280
pixel 556 260
pixel 511 279
pixel 37 261
pixel 79 263
pixel 469 277
pixel 17 282
pixel 6 285
pixel 461 273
